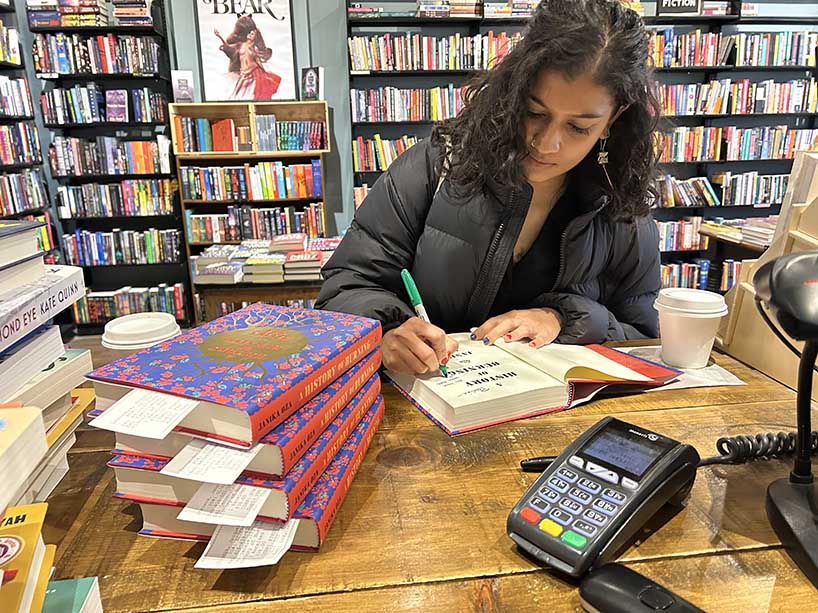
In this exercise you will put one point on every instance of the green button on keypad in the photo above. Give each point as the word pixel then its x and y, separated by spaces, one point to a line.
pixel 577 541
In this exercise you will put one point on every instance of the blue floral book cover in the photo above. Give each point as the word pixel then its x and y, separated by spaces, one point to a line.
pixel 266 361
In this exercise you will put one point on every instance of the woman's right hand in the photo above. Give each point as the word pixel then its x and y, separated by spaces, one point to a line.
pixel 416 347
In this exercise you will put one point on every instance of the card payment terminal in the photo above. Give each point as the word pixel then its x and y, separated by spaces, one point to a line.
pixel 593 499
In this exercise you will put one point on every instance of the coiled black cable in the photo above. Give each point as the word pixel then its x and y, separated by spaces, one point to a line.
pixel 743 448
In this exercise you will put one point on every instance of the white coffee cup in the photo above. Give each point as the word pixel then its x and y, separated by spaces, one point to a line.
pixel 688 322
pixel 128 333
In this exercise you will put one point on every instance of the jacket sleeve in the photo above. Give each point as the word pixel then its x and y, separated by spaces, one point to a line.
pixel 363 275
pixel 629 287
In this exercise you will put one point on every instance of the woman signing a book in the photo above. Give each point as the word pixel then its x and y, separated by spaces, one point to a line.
pixel 527 216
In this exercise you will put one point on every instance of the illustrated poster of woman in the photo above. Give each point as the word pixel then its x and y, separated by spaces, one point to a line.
pixel 246 55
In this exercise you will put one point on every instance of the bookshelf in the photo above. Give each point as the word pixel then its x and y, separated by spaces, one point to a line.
pixel 253 182
pixel 23 194
pixel 361 78
pixel 106 107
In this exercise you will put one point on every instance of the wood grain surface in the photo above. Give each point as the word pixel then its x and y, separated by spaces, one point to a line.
pixel 423 525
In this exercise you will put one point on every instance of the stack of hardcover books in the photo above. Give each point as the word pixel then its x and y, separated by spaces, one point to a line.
pixel 38 409
pixel 248 429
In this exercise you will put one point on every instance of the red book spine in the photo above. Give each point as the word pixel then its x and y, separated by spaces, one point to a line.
pixel 283 406
pixel 299 444
pixel 338 496
pixel 320 464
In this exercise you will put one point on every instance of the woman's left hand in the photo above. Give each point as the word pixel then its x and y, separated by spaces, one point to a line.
pixel 540 326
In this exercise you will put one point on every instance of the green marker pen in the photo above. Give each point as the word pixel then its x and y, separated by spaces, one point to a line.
pixel 417 304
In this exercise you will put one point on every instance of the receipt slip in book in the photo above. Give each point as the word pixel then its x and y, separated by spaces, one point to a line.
pixel 315 514
pixel 282 447
pixel 489 385
pixel 139 479
pixel 249 370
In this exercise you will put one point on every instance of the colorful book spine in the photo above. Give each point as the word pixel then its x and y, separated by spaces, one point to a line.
pixel 130 198
pixel 120 247
pixel 101 307
pixel 400 105
pixel 251 183
pixel 319 509
pixel 77 54
pixel 377 154
pixel 290 355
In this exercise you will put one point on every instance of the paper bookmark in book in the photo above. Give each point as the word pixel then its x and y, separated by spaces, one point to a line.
pixel 210 462
pixel 145 413
pixel 228 505
pixel 262 544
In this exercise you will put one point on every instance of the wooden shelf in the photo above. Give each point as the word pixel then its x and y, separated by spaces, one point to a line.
pixel 285 285
pixel 211 243
pixel 245 201
pixel 247 155
pixel 724 238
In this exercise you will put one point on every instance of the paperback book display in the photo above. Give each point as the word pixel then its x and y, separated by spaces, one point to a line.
pixel 91 105
pixel 376 153
pixel 298 419
pixel 84 248
pixel 19 144
pixel 262 181
pixel 101 307
pixel 205 135
pixel 681 235
pixel 76 54
pixel 9 45
pixel 23 191
pixel 39 406
pixel 108 155
pixel 694 192
pixel 130 198
pixel 68 14
pixel 399 104
pixel 246 222
pixel 753 189
pixel 739 97
pixel 710 144
pixel 686 274
pixel 385 52
pixel 15 98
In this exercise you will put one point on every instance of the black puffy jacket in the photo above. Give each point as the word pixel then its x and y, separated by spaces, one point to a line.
pixel 459 251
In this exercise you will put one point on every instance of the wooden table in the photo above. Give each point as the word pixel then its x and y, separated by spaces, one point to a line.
pixel 423 526
pixel 215 295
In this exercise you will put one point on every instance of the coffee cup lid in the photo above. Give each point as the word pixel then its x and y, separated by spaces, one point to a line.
pixel 690 300
pixel 139 330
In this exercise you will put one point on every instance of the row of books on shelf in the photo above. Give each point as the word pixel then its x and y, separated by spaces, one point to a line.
pixel 300 458
pixel 133 12
pixel 22 191
pixel 730 273
pixel 753 231
pixel 739 97
pixel 405 104
pixel 15 97
pixel 388 52
pixel 713 144
pixel 90 104
pixel 686 274
pixel 670 49
pixel 246 222
pixel 101 307
pixel 108 155
pixel 359 193
pixel 203 135
pixel 152 246
pixel 376 153
pixel 19 144
pixel 68 14
pixel 262 181
pixel 130 198
pixel 225 308
pixel 693 192
pixel 449 9
pixel 45 234
pixel 68 54
pixel 9 44
pixel 682 235
pixel 753 189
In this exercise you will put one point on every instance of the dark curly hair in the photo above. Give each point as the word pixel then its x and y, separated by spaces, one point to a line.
pixel 571 37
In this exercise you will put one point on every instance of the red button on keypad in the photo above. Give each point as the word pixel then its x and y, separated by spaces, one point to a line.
pixel 530 515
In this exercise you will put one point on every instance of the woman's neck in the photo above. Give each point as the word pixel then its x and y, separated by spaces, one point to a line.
pixel 546 193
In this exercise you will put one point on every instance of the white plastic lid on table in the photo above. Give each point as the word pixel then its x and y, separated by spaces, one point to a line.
pixel 692 302
pixel 138 331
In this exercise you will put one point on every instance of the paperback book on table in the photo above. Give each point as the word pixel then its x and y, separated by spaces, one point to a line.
pixel 248 370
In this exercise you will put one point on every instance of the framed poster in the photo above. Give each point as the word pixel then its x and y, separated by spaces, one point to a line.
pixel 246 49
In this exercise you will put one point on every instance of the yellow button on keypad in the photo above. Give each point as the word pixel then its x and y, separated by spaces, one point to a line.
pixel 550 527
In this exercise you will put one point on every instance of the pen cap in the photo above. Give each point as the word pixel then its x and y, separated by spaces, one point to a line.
pixel 411 288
